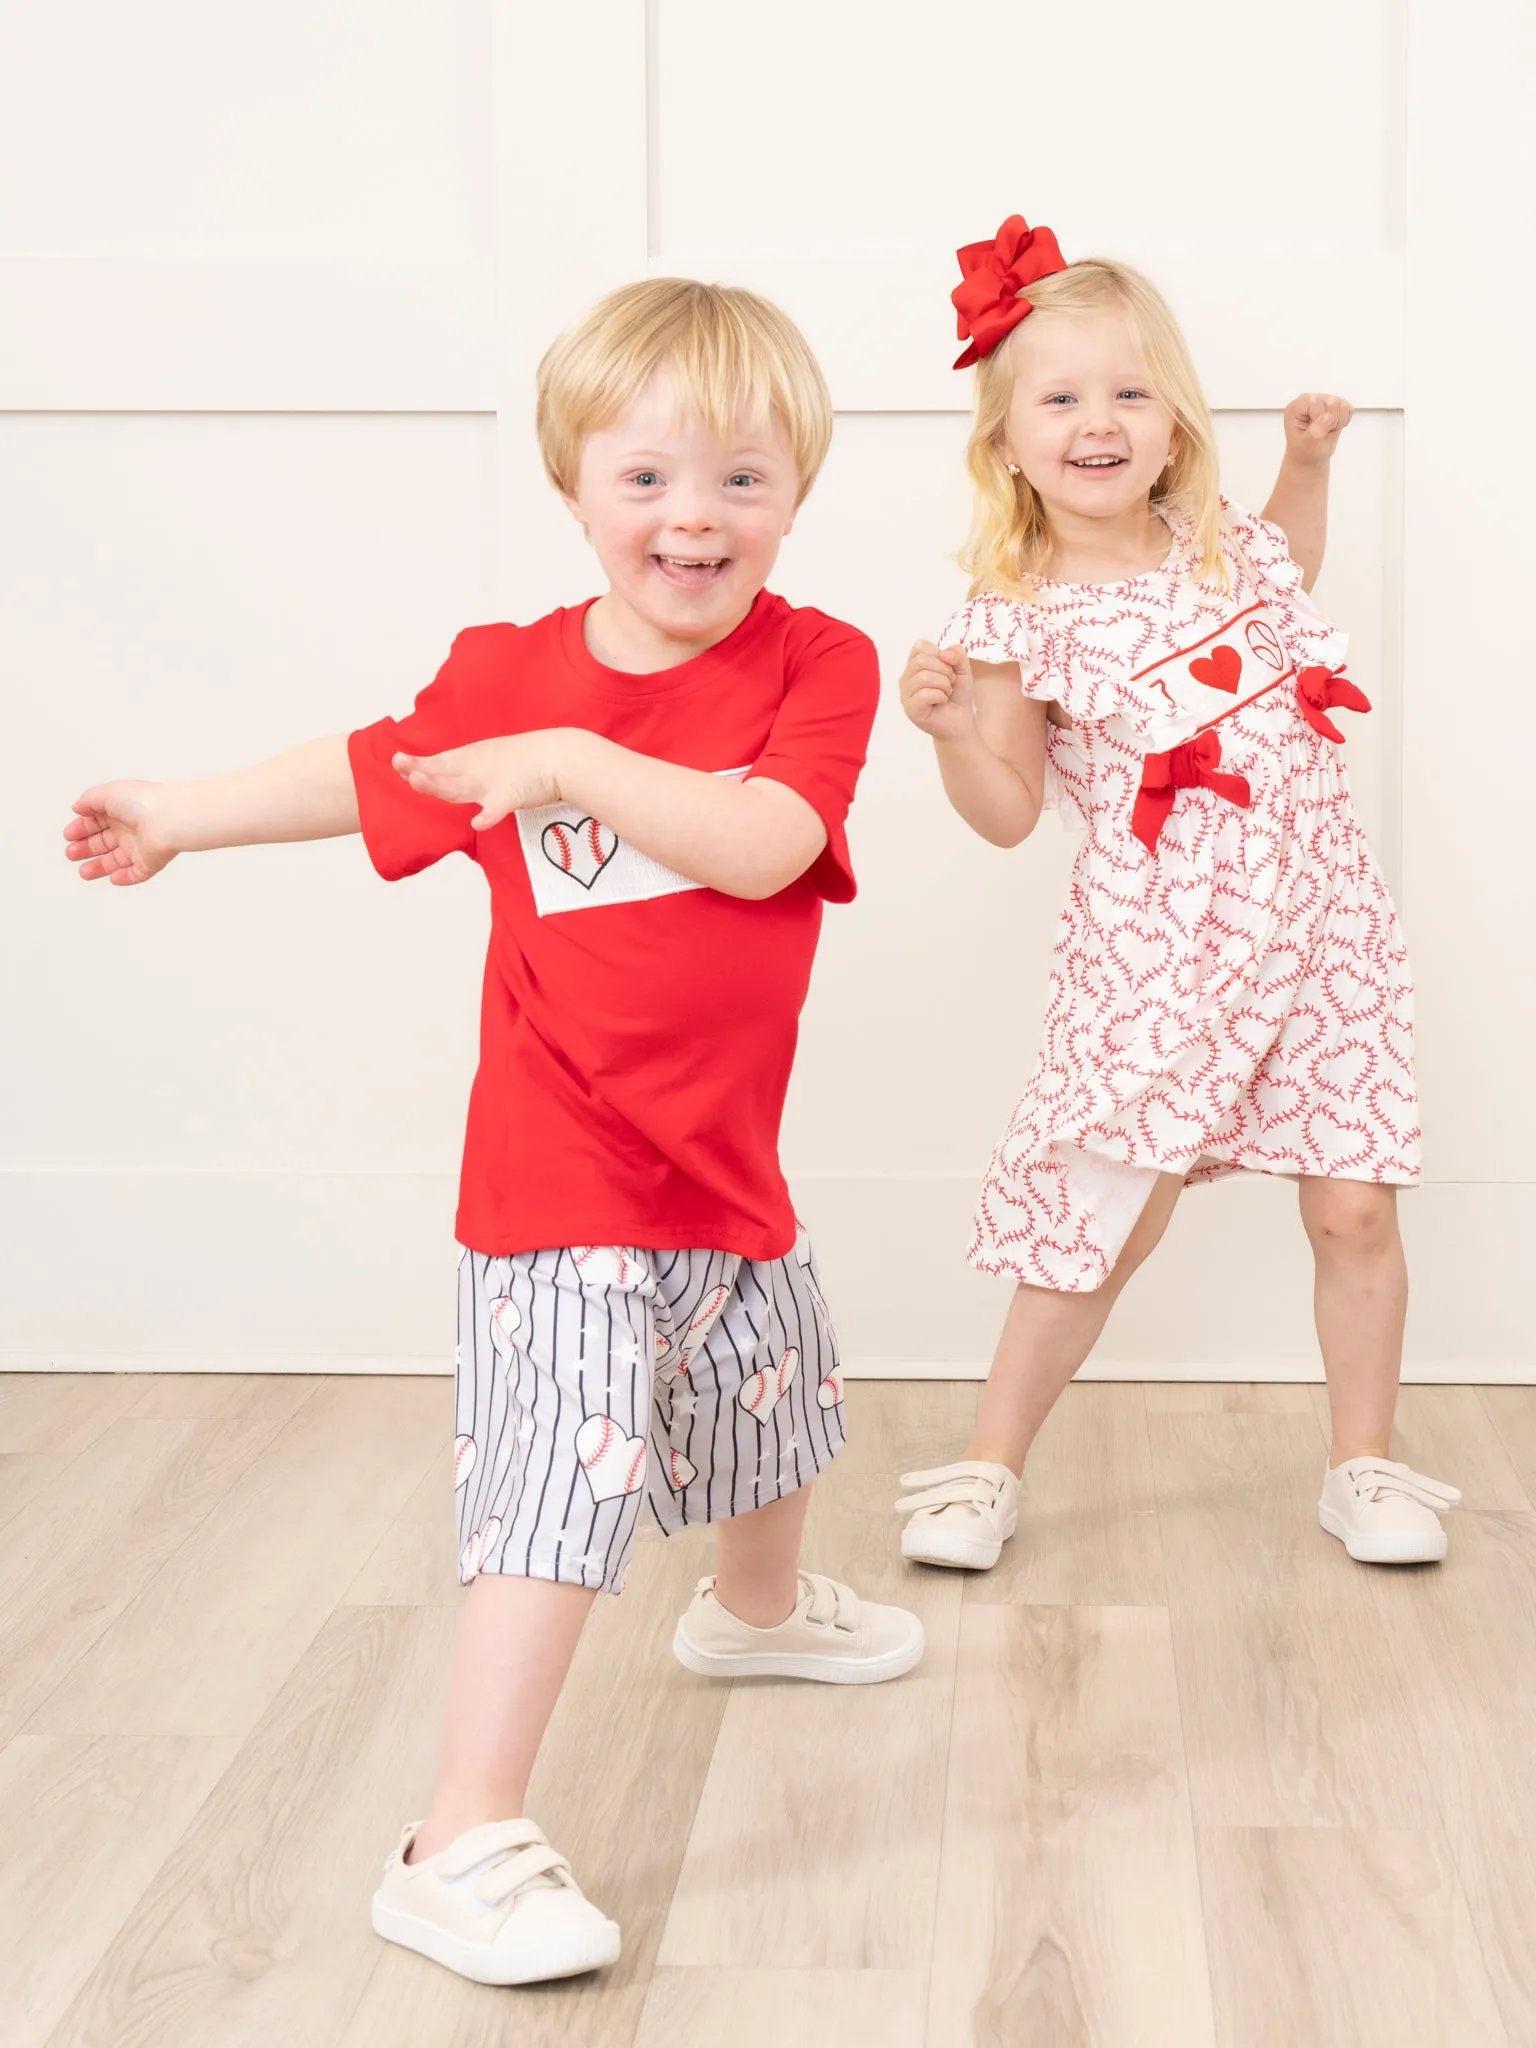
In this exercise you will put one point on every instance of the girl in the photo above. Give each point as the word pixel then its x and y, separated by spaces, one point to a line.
pixel 1230 986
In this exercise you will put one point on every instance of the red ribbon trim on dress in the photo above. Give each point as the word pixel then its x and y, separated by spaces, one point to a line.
pixel 1322 690
pixel 1195 765
pixel 992 276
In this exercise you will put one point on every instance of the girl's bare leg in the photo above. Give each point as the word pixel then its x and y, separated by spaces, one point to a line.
pixel 1046 1337
pixel 1360 1300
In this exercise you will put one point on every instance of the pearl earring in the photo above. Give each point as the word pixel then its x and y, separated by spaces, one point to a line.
pixel 1013 469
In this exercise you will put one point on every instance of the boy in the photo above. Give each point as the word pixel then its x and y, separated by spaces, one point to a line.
pixel 654 784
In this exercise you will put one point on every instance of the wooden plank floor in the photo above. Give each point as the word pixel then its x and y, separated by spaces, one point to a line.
pixel 1176 1775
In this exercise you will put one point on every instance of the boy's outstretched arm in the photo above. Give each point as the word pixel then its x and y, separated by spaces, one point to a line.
pixel 125 832
pixel 748 839
pixel 1298 504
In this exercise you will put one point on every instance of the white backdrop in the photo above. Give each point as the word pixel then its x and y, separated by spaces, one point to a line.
pixel 272 286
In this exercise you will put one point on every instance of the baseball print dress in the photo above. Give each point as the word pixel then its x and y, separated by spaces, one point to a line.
pixel 1230 988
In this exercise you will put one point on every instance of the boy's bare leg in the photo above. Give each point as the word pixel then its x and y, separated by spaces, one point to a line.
pixel 516 1641
pixel 1046 1337
pixel 757 1560
pixel 1360 1299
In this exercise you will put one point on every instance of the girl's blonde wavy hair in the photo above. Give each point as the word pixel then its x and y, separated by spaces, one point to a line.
pixel 1010 539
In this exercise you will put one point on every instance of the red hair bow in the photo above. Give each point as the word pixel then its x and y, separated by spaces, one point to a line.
pixel 1322 690
pixel 992 276
pixel 1192 766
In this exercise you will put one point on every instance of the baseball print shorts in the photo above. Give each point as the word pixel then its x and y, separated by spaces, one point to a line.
pixel 595 1378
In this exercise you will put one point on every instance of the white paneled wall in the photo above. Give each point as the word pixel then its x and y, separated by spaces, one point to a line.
pixel 272 288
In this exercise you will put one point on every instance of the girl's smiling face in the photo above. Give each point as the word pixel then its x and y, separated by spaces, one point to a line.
pixel 686 527
pixel 1085 423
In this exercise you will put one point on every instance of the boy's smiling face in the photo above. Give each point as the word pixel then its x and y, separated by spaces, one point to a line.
pixel 687 528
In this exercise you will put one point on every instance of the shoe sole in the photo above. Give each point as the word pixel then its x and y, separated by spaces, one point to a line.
pixel 799 1664
pixel 1383 1549
pixel 935 1545
pixel 483 1964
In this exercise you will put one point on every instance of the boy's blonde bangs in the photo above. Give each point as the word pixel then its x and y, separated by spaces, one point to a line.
pixel 736 361
pixel 1010 542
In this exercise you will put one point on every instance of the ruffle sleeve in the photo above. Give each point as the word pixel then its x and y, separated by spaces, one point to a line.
pixel 998 629
pixel 1265 554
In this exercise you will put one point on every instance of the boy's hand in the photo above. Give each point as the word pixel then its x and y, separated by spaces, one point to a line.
pixel 518 773
pixel 119 831
pixel 936 691
pixel 1313 424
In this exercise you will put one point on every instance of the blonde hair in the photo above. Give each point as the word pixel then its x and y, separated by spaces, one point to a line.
pixel 1010 538
pixel 733 356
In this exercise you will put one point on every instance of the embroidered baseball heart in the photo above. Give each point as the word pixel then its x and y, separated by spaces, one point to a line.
pixel 762 1391
pixel 1277 1098
pixel 1398 1031
pixel 1172 1131
pixel 1265 643
pixel 465 1452
pixel 609 1265
pixel 1251 1032
pixel 802 1244
pixel 1338 1141
pixel 1072 1264
pixel 1170 1036
pixel 581 850
pixel 1221 669
pixel 479 1547
pixel 681 1471
pixel 1345 1069
pixel 702 1322
pixel 1349 993
pixel 1141 954
pixel 1184 901
pixel 830 1392
pixel 1398 1110
pixel 613 1462
pixel 1281 968
pixel 1045 1181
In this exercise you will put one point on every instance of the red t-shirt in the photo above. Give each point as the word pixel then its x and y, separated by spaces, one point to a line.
pixel 636 1030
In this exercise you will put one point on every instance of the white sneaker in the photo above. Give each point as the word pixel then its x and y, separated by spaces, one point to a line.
pixel 962 1515
pixel 1383 1513
pixel 498 1905
pixel 832 1635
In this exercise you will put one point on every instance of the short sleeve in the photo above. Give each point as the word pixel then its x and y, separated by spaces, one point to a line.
pixel 403 830
pixel 820 734
pixel 996 628
pixel 1266 555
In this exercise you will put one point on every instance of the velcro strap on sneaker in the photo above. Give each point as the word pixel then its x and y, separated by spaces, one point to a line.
pixel 830 1601
pixel 499 1846
pixel 508 1875
pixel 1385 1479
pixel 971 1483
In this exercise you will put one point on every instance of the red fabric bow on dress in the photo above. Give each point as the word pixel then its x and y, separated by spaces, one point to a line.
pixel 992 276
pixel 1195 765
pixel 1322 690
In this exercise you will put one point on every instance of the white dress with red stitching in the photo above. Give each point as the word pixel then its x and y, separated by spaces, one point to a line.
pixel 1237 993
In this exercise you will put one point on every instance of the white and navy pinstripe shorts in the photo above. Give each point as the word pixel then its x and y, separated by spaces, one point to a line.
pixel 593 1378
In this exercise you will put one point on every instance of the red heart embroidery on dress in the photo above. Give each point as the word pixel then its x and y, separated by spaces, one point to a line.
pixel 1221 669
